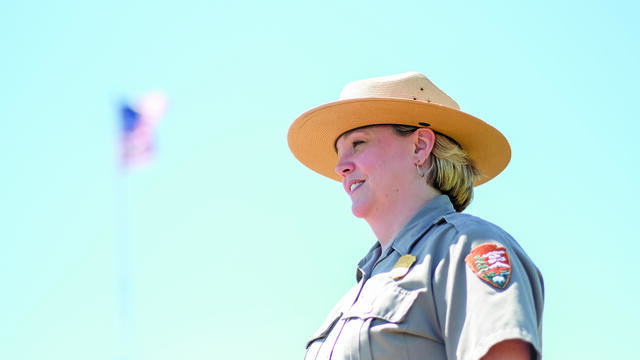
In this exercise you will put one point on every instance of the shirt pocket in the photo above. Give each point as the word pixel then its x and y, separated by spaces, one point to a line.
pixel 383 323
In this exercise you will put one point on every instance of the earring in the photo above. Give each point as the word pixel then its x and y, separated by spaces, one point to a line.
pixel 420 169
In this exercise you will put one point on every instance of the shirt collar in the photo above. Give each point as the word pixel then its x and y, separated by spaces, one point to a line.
pixel 429 214
pixel 366 264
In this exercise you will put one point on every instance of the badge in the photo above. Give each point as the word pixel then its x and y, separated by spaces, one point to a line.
pixel 401 268
pixel 491 263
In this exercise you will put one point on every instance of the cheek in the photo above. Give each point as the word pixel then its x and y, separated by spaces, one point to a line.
pixel 400 167
pixel 370 162
pixel 384 173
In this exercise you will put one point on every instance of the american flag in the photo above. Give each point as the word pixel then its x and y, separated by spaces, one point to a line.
pixel 137 145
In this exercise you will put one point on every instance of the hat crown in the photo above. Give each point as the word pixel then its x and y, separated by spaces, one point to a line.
pixel 410 86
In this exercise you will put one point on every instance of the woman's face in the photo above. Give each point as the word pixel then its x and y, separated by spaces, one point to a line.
pixel 376 167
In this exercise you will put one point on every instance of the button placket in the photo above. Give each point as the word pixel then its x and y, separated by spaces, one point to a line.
pixel 364 343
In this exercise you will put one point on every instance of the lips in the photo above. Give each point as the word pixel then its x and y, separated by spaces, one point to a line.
pixel 353 185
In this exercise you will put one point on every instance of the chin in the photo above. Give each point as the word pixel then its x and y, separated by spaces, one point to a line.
pixel 359 210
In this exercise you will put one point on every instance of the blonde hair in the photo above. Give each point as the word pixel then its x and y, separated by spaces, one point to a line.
pixel 451 172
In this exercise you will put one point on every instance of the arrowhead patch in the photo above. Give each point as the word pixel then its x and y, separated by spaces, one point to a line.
pixel 491 263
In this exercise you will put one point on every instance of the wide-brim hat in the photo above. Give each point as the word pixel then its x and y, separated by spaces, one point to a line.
pixel 404 99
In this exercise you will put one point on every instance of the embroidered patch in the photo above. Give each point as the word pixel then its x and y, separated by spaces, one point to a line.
pixel 401 268
pixel 491 263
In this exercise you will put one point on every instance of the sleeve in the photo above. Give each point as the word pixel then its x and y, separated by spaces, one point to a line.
pixel 486 290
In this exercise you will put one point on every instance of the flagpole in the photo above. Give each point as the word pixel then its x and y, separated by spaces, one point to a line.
pixel 123 248
pixel 135 143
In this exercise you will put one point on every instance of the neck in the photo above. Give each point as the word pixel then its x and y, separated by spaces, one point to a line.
pixel 387 224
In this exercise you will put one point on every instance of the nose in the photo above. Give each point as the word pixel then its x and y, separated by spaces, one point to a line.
pixel 344 167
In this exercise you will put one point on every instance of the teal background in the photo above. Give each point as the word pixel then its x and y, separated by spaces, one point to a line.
pixel 239 251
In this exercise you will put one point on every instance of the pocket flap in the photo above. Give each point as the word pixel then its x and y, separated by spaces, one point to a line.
pixel 391 305
pixel 326 327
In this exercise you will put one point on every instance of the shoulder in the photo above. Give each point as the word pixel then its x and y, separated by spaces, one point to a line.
pixel 474 227
pixel 463 237
pixel 457 235
pixel 466 231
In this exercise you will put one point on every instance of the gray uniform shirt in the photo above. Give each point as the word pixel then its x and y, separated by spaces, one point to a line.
pixel 434 307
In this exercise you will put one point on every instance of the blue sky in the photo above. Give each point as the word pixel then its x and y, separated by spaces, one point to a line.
pixel 237 249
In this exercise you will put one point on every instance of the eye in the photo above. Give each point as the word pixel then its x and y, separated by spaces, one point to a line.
pixel 356 143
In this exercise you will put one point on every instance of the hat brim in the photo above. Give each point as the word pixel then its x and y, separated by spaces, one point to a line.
pixel 312 136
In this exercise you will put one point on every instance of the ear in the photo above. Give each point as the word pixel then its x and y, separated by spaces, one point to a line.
pixel 423 141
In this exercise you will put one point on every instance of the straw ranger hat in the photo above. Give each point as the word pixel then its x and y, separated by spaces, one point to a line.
pixel 406 99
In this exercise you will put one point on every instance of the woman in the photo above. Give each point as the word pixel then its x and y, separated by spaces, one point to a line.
pixel 438 284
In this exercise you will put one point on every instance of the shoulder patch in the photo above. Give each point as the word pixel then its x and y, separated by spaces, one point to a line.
pixel 491 263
